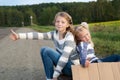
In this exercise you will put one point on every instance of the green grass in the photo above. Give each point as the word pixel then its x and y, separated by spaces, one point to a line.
pixel 105 35
pixel 42 28
pixel 110 23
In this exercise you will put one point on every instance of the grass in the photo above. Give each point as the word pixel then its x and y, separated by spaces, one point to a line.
pixel 42 28
pixel 105 36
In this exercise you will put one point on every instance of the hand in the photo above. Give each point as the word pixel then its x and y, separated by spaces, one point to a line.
pixel 87 63
pixel 14 35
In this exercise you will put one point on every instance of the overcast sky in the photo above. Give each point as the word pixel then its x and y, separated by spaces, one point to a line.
pixel 30 2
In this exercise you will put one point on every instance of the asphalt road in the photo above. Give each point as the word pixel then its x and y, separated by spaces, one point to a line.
pixel 20 60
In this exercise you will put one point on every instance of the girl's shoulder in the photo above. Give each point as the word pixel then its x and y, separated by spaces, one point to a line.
pixel 83 43
pixel 68 32
pixel 52 32
pixel 69 36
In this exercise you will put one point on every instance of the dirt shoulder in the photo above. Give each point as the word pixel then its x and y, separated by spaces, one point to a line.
pixel 20 60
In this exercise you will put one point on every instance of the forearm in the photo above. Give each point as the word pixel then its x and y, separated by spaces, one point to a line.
pixel 35 35
pixel 61 64
pixel 63 60
pixel 30 35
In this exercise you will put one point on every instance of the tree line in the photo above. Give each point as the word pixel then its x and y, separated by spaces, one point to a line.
pixel 43 14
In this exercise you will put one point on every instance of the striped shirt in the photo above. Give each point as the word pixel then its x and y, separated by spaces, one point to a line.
pixel 86 51
pixel 66 47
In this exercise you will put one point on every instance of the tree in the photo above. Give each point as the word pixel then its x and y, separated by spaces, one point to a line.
pixel 47 15
pixel 2 20
pixel 116 5
pixel 27 14
pixel 16 18
pixel 7 17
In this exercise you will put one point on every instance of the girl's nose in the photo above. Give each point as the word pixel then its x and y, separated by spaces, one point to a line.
pixel 59 23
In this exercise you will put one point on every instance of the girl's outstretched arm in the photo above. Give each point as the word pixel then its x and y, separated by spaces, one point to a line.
pixel 14 36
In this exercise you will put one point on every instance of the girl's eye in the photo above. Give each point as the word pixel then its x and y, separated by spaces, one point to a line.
pixel 57 21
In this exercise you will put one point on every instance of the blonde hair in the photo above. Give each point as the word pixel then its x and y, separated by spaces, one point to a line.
pixel 68 18
pixel 85 24
pixel 80 28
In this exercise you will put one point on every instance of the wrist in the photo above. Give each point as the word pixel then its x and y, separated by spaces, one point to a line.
pixel 17 36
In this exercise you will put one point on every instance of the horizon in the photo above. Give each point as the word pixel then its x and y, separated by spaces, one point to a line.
pixel 35 2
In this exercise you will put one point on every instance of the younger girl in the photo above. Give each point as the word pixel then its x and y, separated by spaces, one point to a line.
pixel 60 60
pixel 85 47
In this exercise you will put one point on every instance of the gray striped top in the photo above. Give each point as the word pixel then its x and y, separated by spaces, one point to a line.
pixel 66 47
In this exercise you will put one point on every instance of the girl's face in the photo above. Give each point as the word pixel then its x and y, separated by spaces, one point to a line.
pixel 61 24
pixel 84 35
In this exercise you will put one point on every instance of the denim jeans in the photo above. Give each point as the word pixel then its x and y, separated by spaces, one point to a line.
pixel 111 58
pixel 50 58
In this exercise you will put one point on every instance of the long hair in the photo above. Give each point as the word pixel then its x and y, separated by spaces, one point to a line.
pixel 76 32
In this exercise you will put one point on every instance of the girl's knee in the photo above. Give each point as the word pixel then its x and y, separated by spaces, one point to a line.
pixel 43 50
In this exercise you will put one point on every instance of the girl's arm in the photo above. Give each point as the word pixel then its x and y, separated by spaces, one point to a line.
pixel 69 45
pixel 82 49
pixel 30 35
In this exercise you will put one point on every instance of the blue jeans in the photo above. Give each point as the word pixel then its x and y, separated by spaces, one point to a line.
pixel 50 58
pixel 111 58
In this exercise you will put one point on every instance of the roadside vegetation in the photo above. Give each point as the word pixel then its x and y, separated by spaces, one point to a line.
pixel 43 14
pixel 106 36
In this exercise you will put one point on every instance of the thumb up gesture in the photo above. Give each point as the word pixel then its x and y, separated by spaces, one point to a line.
pixel 14 36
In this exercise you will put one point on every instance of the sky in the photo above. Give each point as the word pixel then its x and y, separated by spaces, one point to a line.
pixel 31 2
